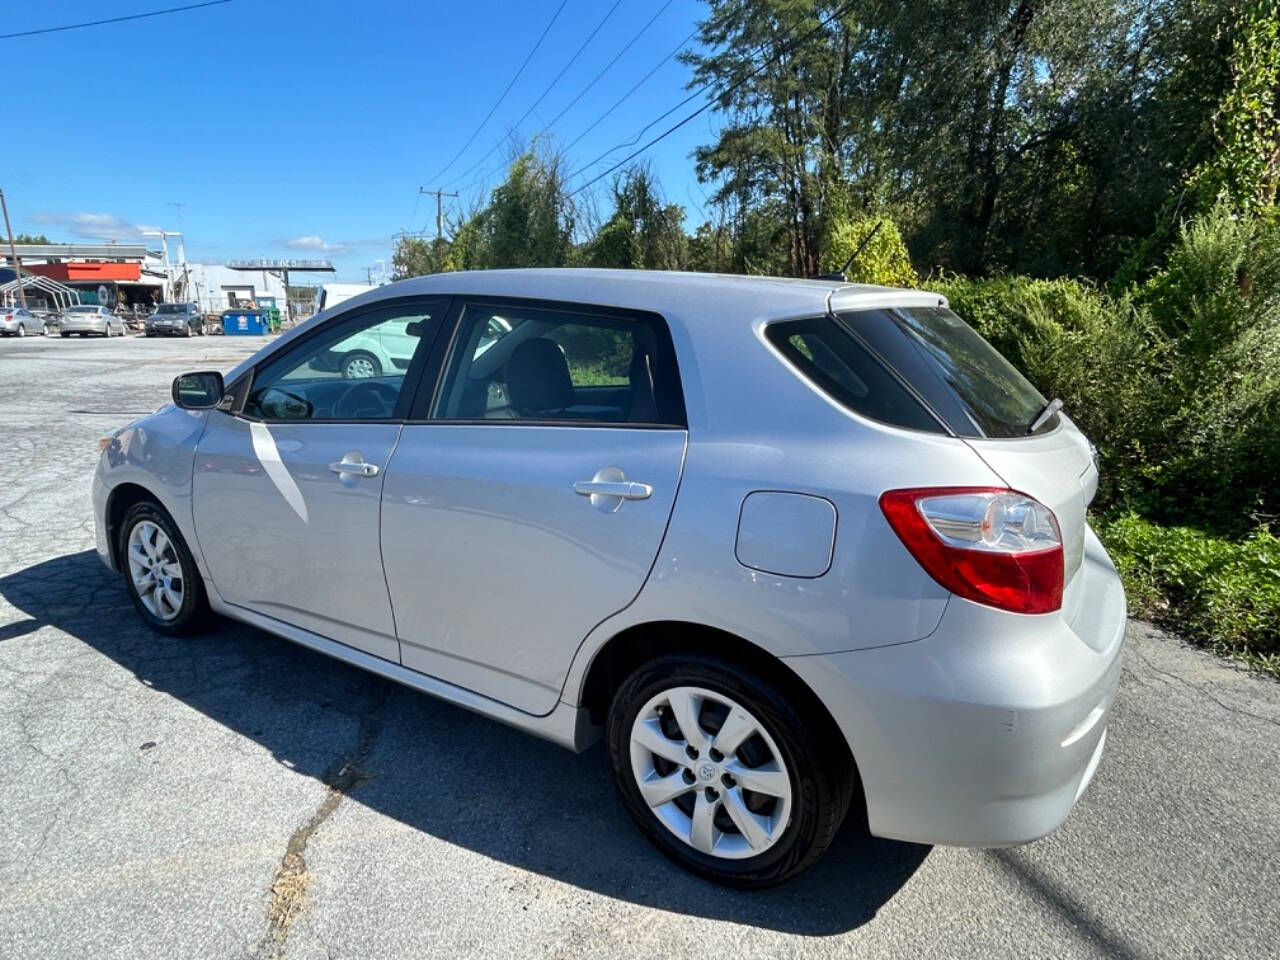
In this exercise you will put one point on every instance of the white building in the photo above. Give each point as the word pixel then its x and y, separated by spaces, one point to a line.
pixel 216 288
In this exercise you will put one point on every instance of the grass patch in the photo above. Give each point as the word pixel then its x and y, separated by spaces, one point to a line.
pixel 1217 592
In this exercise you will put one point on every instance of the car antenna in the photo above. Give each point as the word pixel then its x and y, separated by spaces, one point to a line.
pixel 840 274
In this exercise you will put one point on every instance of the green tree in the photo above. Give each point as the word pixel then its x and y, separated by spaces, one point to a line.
pixel 883 260
pixel 30 238
pixel 644 232
pixel 1244 171
pixel 530 218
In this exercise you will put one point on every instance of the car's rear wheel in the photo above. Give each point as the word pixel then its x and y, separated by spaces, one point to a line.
pixel 22 331
pixel 66 335
pixel 359 364
pixel 160 573
pixel 723 773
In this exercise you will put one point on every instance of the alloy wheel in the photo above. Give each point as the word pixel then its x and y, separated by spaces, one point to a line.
pixel 155 570
pixel 710 772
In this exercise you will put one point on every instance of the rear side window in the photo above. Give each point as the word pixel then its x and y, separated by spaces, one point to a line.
pixel 845 371
pixel 964 379
pixel 513 363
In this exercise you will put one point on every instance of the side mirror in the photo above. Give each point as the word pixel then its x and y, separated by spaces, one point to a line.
pixel 198 391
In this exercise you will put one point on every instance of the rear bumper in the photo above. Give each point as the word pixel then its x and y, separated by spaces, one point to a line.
pixel 986 732
pixel 83 326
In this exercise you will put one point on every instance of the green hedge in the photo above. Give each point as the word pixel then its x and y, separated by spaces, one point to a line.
pixel 1221 593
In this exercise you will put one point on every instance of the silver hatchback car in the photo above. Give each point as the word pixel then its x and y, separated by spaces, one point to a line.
pixel 792 548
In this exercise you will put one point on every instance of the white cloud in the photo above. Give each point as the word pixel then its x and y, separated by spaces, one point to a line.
pixel 85 225
pixel 314 244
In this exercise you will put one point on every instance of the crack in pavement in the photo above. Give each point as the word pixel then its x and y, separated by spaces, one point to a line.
pixel 1201 689
pixel 292 878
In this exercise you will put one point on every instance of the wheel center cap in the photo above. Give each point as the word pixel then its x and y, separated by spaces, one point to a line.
pixel 706 772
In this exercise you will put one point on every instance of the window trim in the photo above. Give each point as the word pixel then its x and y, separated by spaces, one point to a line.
pixel 428 398
pixel 242 386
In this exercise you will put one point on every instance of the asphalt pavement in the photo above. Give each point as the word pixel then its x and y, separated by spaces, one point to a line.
pixel 234 795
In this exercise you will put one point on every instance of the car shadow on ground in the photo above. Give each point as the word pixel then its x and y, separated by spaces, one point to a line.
pixel 437 768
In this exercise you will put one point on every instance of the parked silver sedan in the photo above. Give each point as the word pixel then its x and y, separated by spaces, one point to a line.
pixel 19 321
pixel 86 319
pixel 795 550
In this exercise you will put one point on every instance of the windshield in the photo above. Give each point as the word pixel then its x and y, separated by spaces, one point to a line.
pixel 83 310
pixel 963 378
pixel 172 308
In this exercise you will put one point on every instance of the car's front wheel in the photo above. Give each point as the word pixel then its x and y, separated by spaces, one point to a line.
pixel 723 773
pixel 160 573
pixel 359 364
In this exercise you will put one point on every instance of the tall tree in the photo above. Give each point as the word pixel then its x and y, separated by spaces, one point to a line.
pixel 644 231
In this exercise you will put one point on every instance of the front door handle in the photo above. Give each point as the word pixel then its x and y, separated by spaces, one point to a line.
pixel 626 489
pixel 353 465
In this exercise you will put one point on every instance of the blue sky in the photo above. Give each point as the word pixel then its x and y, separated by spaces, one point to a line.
pixel 305 127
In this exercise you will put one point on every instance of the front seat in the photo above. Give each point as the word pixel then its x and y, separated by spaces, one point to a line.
pixel 538 382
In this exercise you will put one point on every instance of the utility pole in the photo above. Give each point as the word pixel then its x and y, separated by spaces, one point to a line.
pixel 13 252
pixel 182 251
pixel 438 194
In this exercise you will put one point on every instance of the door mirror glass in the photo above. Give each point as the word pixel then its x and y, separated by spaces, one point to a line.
pixel 198 391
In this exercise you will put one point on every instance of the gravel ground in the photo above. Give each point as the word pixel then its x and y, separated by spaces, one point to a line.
pixel 237 796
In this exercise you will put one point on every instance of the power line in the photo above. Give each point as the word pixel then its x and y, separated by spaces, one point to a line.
pixel 503 95
pixel 627 96
pixel 98 23
pixel 581 93
pixel 598 120
pixel 702 109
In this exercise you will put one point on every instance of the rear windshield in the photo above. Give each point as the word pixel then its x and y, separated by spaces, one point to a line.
pixel 83 310
pixel 962 378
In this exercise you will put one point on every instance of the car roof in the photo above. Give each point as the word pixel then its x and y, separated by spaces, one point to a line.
pixel 663 291
pixel 697 303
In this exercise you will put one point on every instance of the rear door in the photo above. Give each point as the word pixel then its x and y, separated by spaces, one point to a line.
pixel 530 502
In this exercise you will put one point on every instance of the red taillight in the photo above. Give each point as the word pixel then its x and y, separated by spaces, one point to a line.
pixel 987 544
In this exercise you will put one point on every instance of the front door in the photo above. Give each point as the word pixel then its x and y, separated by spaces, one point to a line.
pixel 286 490
pixel 533 502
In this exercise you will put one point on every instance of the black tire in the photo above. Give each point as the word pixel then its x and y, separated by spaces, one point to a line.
pixel 194 611
pixel 66 335
pixel 821 790
pixel 22 330
pixel 360 355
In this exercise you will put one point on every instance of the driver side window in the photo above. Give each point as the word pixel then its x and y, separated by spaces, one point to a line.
pixel 352 370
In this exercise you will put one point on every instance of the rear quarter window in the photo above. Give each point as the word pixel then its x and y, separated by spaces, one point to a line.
pixel 848 373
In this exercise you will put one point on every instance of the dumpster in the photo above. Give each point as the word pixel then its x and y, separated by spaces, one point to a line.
pixel 244 323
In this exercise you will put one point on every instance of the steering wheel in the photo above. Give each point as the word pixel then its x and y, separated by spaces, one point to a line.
pixel 366 399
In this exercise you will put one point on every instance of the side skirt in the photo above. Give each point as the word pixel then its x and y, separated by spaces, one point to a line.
pixel 566 725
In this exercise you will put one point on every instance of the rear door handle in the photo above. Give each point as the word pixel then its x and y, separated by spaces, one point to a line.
pixel 354 468
pixel 626 489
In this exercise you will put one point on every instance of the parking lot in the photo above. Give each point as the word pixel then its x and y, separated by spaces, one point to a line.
pixel 235 795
